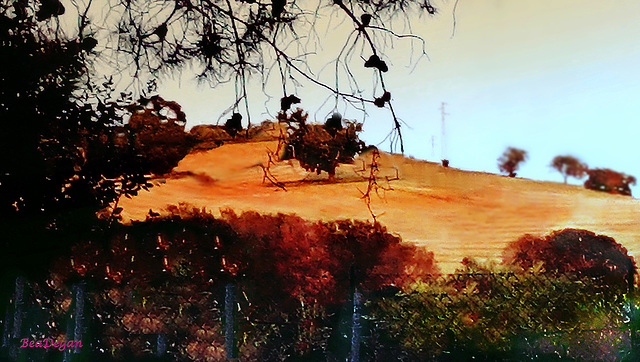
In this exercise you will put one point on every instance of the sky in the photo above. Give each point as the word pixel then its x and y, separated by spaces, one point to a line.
pixel 550 77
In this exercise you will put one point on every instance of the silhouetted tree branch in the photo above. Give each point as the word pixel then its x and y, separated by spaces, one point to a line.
pixel 235 40
pixel 373 185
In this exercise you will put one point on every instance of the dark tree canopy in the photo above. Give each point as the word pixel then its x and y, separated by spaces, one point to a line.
pixel 569 166
pixel 70 144
pixel 38 76
pixel 574 250
pixel 66 142
pixel 604 179
pixel 510 160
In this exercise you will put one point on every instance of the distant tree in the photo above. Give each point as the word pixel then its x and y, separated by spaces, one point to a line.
pixel 321 147
pixel 574 251
pixel 511 160
pixel 604 179
pixel 569 166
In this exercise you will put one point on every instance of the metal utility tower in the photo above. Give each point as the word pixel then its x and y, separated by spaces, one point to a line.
pixel 433 146
pixel 443 154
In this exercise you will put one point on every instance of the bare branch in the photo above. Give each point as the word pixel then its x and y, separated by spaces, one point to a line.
pixel 373 185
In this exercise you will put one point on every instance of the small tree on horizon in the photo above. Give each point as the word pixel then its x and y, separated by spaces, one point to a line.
pixel 511 159
pixel 569 166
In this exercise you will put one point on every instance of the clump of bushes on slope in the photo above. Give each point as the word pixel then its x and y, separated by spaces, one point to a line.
pixel 321 147
pixel 604 179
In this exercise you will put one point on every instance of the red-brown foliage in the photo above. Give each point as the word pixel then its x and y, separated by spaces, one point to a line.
pixel 573 250
pixel 609 181
pixel 282 255
pixel 511 159
pixel 165 275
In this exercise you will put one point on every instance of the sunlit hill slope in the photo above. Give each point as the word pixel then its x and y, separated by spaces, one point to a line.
pixel 453 213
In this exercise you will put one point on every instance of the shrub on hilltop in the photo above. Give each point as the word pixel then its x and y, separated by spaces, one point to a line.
pixel 604 179
pixel 321 147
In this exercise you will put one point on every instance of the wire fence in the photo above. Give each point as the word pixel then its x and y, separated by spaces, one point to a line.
pixel 480 315
pixel 505 316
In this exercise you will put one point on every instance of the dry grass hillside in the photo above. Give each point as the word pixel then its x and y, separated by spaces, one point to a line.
pixel 454 213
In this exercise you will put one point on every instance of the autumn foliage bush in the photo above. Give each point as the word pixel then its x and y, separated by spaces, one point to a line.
pixel 165 276
pixel 604 179
pixel 574 251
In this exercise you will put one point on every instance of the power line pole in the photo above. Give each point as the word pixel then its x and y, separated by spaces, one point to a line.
pixel 433 146
pixel 443 154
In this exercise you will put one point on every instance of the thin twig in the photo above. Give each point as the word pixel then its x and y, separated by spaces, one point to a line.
pixel 455 7
pixel 372 179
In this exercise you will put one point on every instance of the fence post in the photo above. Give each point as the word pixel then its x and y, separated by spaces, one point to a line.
pixel 229 335
pixel 79 315
pixel 356 327
pixel 18 314
pixel 75 326
pixel 634 322
pixel 161 344
pixel 6 331
pixel 630 276
pixel 354 355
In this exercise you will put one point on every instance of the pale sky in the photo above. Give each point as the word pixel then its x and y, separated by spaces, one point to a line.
pixel 551 77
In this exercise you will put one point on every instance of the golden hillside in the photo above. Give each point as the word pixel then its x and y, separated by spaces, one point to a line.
pixel 454 213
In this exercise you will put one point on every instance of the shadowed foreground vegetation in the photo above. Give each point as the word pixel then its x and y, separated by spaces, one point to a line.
pixel 163 276
pixel 310 290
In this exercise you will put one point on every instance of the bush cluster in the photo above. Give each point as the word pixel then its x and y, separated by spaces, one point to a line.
pixel 575 251
pixel 604 179
pixel 321 147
